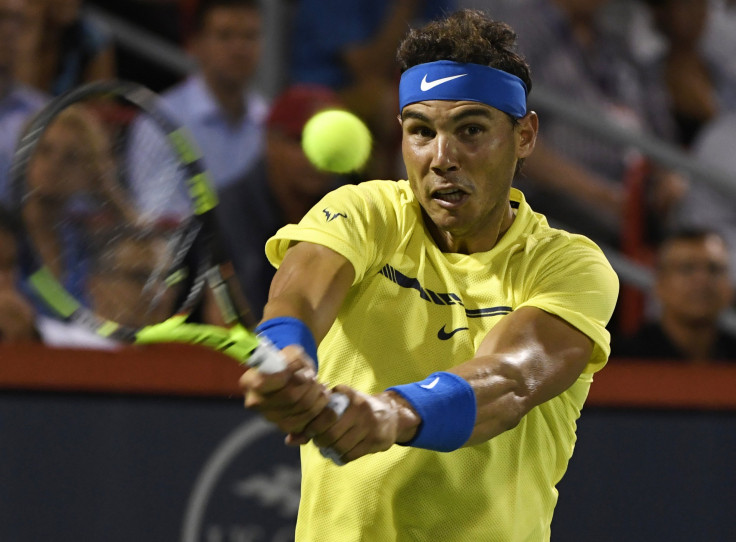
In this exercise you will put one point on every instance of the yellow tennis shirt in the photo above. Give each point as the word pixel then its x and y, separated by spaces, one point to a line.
pixel 413 310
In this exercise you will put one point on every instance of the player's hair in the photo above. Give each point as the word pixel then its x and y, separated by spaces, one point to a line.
pixel 467 36
pixel 204 7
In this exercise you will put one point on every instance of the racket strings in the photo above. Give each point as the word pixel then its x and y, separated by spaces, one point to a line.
pixel 105 205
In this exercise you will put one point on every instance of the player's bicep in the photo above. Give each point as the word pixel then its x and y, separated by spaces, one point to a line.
pixel 550 353
pixel 528 358
pixel 310 284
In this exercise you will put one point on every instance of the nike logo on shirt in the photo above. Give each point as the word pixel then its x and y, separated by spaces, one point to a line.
pixel 445 335
pixel 428 85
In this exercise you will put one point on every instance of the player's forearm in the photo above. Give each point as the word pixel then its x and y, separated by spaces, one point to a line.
pixel 505 391
pixel 310 285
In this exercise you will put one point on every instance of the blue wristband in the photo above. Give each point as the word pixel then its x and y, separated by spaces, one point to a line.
pixel 283 331
pixel 446 404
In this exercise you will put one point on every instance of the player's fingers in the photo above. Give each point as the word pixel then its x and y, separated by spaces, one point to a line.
pixel 347 442
pixel 295 397
pixel 299 369
pixel 297 416
pixel 325 422
pixel 297 358
pixel 366 445
pixel 296 439
pixel 254 381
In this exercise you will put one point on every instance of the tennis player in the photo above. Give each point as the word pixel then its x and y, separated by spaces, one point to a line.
pixel 463 328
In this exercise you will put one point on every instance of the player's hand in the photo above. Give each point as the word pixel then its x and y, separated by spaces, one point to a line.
pixel 291 398
pixel 370 424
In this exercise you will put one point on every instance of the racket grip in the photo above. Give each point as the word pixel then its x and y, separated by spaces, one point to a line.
pixel 266 358
pixel 338 402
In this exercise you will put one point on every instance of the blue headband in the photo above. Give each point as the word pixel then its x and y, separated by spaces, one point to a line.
pixel 448 80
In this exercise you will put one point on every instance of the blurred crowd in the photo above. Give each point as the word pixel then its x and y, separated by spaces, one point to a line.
pixel 660 69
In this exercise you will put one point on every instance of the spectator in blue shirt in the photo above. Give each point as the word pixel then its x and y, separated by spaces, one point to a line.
pixel 216 103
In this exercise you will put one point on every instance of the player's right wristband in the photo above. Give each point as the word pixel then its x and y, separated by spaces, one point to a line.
pixel 446 404
pixel 283 331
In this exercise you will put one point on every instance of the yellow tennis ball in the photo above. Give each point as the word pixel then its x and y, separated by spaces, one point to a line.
pixel 337 141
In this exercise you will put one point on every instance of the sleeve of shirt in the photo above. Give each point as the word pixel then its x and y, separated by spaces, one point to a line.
pixel 575 282
pixel 351 221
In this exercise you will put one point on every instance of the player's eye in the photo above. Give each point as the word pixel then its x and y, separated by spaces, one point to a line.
pixel 472 130
pixel 421 131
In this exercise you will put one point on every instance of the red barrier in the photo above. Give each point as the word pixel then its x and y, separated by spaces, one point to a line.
pixel 155 369
pixel 196 371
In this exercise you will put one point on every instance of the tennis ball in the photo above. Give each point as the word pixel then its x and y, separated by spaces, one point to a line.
pixel 337 141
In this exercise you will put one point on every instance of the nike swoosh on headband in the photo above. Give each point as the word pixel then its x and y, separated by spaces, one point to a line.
pixel 428 85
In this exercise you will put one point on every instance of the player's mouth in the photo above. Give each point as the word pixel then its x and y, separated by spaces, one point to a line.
pixel 450 197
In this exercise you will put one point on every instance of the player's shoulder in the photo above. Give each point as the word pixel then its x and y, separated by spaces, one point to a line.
pixel 541 241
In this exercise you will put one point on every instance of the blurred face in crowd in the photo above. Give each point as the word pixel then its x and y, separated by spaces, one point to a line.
pixel 13 20
pixel 117 284
pixel 70 157
pixel 693 281
pixel 228 45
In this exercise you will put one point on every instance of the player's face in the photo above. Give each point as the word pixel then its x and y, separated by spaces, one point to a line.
pixel 229 45
pixel 460 158
pixel 693 281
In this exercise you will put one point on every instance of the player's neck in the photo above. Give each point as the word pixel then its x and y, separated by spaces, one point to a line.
pixel 482 239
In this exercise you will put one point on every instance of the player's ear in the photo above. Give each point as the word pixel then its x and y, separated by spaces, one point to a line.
pixel 526 131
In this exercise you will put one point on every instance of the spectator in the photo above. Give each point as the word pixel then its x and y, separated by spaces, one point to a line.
pixel 17 101
pixel 216 104
pixel 698 88
pixel 65 48
pixel 72 159
pixel 719 44
pixel 278 191
pixel 693 289
pixel 16 313
pixel 690 46
pixel 572 174
pixel 123 261
pixel 349 46
pixel 705 206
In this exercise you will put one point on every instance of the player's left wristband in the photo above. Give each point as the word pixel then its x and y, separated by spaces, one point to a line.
pixel 446 404
pixel 284 331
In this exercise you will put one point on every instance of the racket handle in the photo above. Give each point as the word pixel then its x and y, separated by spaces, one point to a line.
pixel 267 358
pixel 338 402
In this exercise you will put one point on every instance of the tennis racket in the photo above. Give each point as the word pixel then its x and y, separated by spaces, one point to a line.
pixel 120 232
